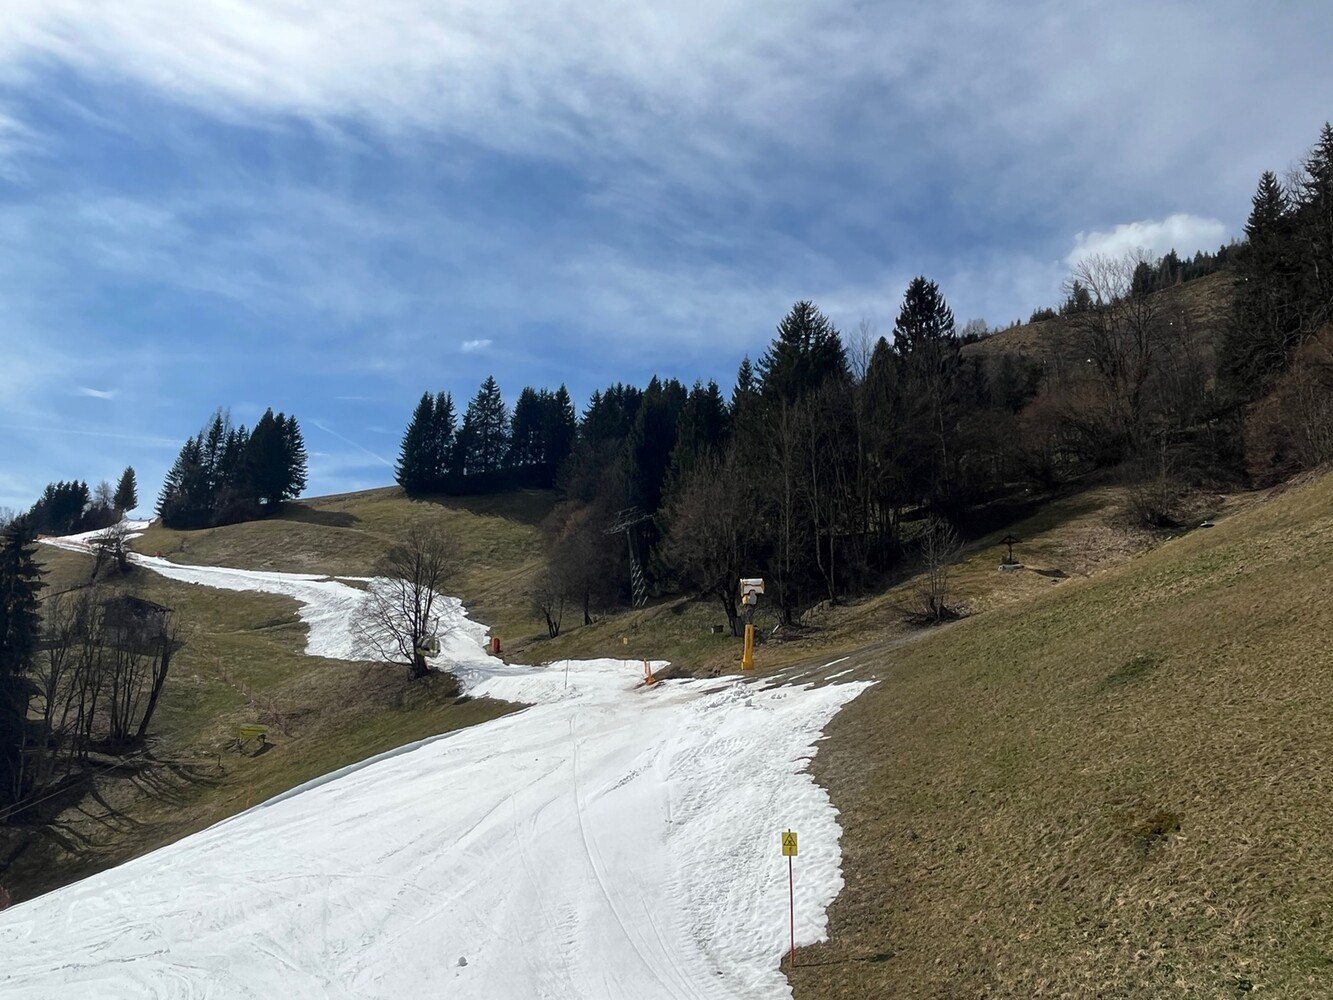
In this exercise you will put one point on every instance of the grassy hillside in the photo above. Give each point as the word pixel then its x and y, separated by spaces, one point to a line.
pixel 244 661
pixel 1205 301
pixel 1118 788
pixel 499 541
pixel 1064 536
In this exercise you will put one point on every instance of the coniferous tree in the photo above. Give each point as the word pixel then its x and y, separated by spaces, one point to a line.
pixel 1314 229
pixel 806 352
pixel 184 501
pixel 652 439
pixel 415 471
pixel 928 354
pixel 745 387
pixel 213 451
pixel 127 491
pixel 525 433
pixel 924 335
pixel 264 458
pixel 703 428
pixel 883 440
pixel 294 458
pixel 486 427
pixel 61 509
pixel 275 460
pixel 20 581
pixel 442 435
pixel 559 426
pixel 226 474
pixel 1265 322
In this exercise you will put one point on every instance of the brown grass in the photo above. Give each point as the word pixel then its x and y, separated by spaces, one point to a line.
pixel 1119 788
pixel 1206 301
pixel 499 540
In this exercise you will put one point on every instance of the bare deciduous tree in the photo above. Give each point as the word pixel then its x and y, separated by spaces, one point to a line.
pixel 400 615
pixel 548 599
pixel 1120 333
pixel 584 561
pixel 111 548
pixel 102 666
pixel 706 527
pixel 939 545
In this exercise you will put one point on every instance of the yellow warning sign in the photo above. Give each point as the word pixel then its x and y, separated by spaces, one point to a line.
pixel 788 844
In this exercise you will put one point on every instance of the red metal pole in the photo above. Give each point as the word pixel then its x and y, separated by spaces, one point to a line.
pixel 791 902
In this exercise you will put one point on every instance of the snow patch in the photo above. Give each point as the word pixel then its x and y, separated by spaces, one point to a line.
pixel 609 841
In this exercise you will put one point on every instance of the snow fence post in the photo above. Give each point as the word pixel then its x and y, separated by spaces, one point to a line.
pixel 789 850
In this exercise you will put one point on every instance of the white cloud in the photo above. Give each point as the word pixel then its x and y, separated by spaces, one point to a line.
pixel 472 346
pixel 1181 232
pixel 695 85
pixel 84 390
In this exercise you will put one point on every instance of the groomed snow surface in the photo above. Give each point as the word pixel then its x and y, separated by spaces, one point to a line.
pixel 611 840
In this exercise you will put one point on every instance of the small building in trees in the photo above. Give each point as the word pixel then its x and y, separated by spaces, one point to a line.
pixel 135 624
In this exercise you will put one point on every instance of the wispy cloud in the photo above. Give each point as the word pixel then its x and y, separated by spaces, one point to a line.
pixel 84 390
pixel 346 440
pixel 143 439
pixel 603 191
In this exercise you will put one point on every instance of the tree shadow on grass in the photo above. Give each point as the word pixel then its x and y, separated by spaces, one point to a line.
pixel 306 514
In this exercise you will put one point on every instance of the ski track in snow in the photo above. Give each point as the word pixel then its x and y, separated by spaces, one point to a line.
pixel 610 841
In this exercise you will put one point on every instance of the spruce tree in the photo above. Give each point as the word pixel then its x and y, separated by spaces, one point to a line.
pixel 701 431
pixel 267 460
pixel 525 428
pixel 213 454
pixel 652 440
pixel 20 626
pixel 1314 225
pixel 127 491
pixel 744 381
pixel 1265 322
pixel 442 441
pixel 416 460
pixel 807 351
pixel 559 427
pixel 927 392
pixel 610 414
pixel 294 458
pixel 924 335
pixel 486 427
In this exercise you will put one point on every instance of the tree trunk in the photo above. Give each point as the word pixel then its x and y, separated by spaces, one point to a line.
pixel 729 606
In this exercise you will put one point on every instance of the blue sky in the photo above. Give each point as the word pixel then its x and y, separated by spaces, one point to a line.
pixel 329 206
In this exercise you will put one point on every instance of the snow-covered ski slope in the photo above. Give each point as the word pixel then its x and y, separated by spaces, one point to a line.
pixel 610 841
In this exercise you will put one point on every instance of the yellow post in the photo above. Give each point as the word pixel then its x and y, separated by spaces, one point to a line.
pixel 747 657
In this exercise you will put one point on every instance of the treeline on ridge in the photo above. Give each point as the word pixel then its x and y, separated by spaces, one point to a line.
pixel 226 474
pixel 830 454
pixel 491 450
pixel 68 507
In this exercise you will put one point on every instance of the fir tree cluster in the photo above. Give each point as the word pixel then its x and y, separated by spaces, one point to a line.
pixel 800 477
pixel 1284 274
pixel 490 449
pixel 226 474
pixel 68 507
